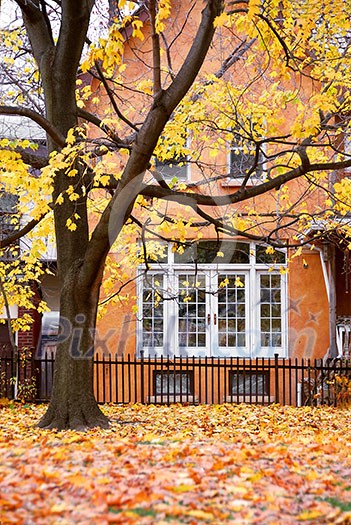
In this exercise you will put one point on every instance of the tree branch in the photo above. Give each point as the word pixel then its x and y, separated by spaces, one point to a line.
pixel 47 20
pixel 10 239
pixel 74 26
pixel 36 117
pixel 243 193
pixel 234 56
pixel 112 99
pixel 197 53
pixel 38 29
pixel 33 160
pixel 156 67
pixel 93 119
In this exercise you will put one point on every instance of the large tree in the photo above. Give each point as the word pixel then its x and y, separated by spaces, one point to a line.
pixel 285 52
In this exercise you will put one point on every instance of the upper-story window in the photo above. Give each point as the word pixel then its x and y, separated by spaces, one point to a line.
pixel 245 153
pixel 172 161
pixel 8 221
pixel 175 168
pixel 242 158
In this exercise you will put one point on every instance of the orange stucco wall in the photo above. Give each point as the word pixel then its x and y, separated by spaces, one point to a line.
pixel 116 330
pixel 308 307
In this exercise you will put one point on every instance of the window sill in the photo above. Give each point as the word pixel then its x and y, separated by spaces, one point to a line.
pixel 232 182
pixel 259 399
pixel 171 398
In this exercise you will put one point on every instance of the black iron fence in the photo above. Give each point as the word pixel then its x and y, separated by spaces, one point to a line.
pixel 18 377
pixel 192 380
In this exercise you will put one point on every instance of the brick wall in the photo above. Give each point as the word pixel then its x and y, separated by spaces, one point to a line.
pixel 28 340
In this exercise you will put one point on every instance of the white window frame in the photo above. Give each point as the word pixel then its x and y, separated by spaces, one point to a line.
pixel 253 271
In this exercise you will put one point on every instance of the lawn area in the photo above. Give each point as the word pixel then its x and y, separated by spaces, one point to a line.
pixel 235 464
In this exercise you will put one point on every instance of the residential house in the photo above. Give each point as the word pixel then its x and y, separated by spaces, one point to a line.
pixel 219 298
pixel 230 297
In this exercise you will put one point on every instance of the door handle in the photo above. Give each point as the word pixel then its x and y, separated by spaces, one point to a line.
pixel 215 318
pixel 208 318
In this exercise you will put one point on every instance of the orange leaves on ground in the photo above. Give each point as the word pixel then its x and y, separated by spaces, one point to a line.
pixel 235 464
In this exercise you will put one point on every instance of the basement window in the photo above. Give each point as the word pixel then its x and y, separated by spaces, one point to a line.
pixel 249 382
pixel 173 383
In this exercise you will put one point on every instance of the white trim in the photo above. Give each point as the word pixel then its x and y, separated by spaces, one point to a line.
pixel 270 351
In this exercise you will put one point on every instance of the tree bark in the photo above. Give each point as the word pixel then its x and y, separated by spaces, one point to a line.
pixel 72 403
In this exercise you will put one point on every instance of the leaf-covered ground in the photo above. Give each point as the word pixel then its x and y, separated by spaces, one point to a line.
pixel 235 464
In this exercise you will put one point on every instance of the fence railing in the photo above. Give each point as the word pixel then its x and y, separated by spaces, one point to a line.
pixel 195 380
pixel 17 377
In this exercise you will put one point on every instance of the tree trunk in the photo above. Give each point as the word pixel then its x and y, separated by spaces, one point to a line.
pixel 73 404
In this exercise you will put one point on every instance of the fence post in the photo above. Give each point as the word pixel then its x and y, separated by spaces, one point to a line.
pixel 276 377
pixel 142 400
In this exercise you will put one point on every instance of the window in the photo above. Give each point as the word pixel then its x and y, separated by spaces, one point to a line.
pixel 50 328
pixel 214 299
pixel 249 382
pixel 271 310
pixel 274 257
pixel 8 222
pixel 232 310
pixel 242 158
pixel 176 168
pixel 175 164
pixel 173 382
pixel 8 205
pixel 214 253
pixel 152 311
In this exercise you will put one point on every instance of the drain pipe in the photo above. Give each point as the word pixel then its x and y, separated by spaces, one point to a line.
pixel 325 271
pixel 330 289
pixel 330 296
pixel 299 394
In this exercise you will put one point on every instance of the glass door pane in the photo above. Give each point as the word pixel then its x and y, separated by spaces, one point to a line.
pixel 271 310
pixel 192 312
pixel 153 312
pixel 232 314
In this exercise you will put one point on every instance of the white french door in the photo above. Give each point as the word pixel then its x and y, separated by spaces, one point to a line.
pixel 231 318
pixel 212 313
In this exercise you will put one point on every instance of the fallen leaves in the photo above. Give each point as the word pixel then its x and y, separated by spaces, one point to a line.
pixel 4 402
pixel 235 464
